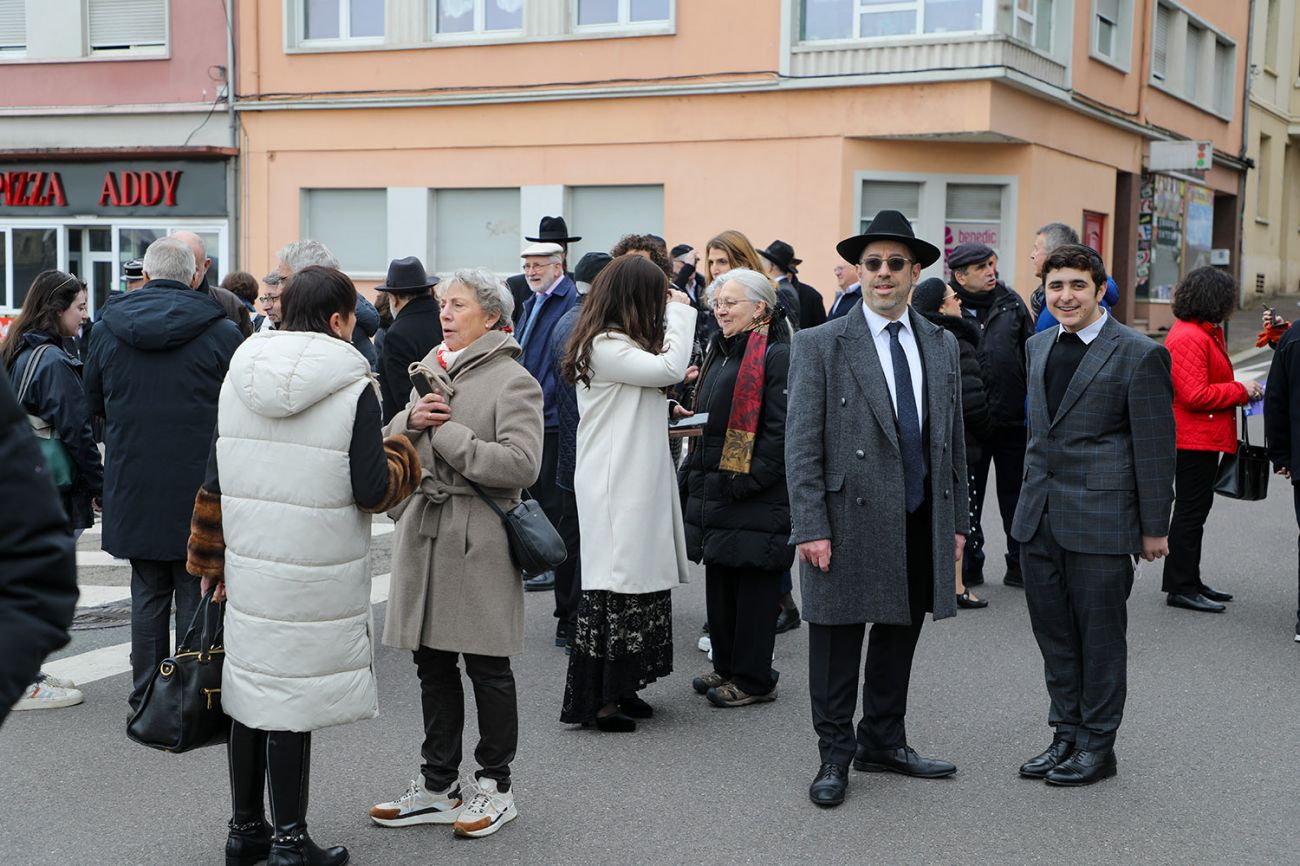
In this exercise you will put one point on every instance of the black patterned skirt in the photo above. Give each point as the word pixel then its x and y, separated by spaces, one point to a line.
pixel 621 644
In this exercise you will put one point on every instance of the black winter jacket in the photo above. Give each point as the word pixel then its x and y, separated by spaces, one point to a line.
pixel 154 373
pixel 974 379
pixel 1006 325
pixel 38 564
pixel 57 395
pixel 739 521
pixel 416 329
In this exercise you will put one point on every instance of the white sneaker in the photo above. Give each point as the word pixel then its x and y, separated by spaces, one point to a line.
pixel 419 805
pixel 487 811
pixel 40 695
pixel 704 644
pixel 57 682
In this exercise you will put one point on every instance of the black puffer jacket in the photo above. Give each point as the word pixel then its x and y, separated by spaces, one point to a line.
pixel 1006 325
pixel 740 521
pixel 974 381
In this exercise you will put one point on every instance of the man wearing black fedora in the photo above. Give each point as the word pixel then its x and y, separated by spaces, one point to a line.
pixel 784 268
pixel 551 230
pixel 877 479
pixel 416 329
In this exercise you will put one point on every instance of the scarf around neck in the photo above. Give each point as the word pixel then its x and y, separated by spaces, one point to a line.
pixel 746 404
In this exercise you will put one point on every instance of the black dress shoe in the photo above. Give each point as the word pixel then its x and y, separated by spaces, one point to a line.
pixel 1014 578
pixel 540 583
pixel 1214 595
pixel 1083 768
pixel 615 723
pixel 903 760
pixel 635 707
pixel 787 620
pixel 970 602
pixel 830 786
pixel 562 633
pixel 1196 601
pixel 1040 765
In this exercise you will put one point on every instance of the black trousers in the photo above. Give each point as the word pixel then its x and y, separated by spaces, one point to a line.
pixel 568 576
pixel 1078 608
pixel 443 701
pixel 1005 447
pixel 1193 499
pixel 835 654
pixel 742 605
pixel 1295 491
pixel 154 583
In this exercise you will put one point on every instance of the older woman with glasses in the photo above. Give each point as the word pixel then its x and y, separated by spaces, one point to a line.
pixel 455 590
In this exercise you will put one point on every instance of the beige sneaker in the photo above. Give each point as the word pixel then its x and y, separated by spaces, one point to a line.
pixel 419 805
pixel 40 695
pixel 731 695
pixel 704 682
pixel 487 812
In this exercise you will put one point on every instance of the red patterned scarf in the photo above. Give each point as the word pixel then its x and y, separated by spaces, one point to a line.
pixel 746 405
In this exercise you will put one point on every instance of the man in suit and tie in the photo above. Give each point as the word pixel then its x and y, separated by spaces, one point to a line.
pixel 551 230
pixel 1098 489
pixel 552 294
pixel 877 476
pixel 849 291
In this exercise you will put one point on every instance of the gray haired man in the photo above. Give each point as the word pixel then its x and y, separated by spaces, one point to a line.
pixel 295 256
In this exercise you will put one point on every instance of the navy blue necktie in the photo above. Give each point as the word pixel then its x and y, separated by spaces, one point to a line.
pixel 909 424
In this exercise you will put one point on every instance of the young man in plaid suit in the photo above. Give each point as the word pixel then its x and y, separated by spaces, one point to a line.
pixel 1098 489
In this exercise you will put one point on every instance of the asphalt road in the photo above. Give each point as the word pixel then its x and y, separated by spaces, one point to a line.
pixel 1208 757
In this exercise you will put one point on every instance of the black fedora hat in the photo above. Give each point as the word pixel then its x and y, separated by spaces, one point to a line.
pixel 781 254
pixel 407 275
pixel 889 225
pixel 553 230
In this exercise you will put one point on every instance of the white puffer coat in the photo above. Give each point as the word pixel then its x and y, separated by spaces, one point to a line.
pixel 299 652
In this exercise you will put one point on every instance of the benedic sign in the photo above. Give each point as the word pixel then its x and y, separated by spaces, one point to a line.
pixel 113 188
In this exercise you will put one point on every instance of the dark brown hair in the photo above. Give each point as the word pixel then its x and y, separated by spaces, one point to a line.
pixel 49 297
pixel 314 294
pixel 651 244
pixel 243 284
pixel 1079 258
pixel 629 296
pixel 1205 295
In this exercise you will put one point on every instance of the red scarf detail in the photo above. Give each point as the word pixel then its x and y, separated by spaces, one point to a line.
pixel 746 405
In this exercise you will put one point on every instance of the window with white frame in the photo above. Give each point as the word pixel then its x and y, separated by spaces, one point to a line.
pixel 873 19
pixel 1225 76
pixel 1272 34
pixel 342 19
pixel 1112 31
pixel 1192 52
pixel 476 228
pixel 1263 177
pixel 1160 42
pixel 622 12
pixel 126 25
pixel 477 16
pixel 1193 61
pixel 13 25
pixel 353 223
pixel 1032 23
pixel 603 214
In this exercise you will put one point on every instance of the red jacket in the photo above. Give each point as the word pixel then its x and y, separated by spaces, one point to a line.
pixel 1204 389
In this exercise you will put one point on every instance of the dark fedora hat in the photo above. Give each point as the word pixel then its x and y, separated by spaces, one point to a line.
pixel 889 225
pixel 553 230
pixel 781 254
pixel 407 275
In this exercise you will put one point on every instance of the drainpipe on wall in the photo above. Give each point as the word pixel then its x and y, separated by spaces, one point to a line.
pixel 232 200
pixel 1245 148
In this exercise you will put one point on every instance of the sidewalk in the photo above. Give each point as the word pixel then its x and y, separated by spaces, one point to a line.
pixel 1244 326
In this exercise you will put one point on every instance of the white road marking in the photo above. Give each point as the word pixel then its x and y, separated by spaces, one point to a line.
pixel 93 596
pixel 103 559
pixel 109 661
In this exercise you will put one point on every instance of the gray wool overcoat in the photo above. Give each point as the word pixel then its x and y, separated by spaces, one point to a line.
pixel 845 473
pixel 454 586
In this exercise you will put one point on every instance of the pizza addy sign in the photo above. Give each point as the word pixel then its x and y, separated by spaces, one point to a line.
pixel 189 188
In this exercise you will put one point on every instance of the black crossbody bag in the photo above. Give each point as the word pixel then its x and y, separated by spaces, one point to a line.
pixel 535 545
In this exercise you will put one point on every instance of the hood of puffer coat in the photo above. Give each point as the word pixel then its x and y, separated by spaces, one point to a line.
pixel 277 374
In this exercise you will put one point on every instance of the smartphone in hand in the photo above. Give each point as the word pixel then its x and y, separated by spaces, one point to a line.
pixel 421 383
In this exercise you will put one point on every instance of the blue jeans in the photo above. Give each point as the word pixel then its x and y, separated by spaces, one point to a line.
pixel 153 584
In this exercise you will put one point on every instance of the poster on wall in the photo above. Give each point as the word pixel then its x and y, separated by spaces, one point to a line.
pixel 1146 217
pixel 1169 198
pixel 958 233
pixel 1199 227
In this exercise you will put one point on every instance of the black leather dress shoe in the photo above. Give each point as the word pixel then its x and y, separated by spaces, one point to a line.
pixel 1188 601
pixel 787 620
pixel 1083 768
pixel 903 760
pixel 1214 595
pixel 1040 765
pixel 970 602
pixel 830 786
pixel 540 583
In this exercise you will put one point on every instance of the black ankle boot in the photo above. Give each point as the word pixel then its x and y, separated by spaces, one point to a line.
pixel 249 841
pixel 288 774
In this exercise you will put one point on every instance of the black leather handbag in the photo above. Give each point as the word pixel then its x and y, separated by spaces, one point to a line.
pixel 535 545
pixel 181 708
pixel 1243 475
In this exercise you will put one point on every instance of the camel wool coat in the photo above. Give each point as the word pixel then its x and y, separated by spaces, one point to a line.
pixel 454 586
pixel 629 508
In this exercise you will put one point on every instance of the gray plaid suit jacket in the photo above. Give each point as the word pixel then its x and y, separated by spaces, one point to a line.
pixel 1104 466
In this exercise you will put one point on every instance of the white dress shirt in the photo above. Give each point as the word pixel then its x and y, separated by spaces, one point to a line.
pixel 876 323
pixel 1088 334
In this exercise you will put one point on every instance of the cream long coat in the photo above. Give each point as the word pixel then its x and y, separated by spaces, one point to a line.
pixel 629 508
pixel 454 586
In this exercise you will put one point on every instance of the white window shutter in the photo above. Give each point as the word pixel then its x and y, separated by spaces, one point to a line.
pixel 878 195
pixel 126 23
pixel 13 23
pixel 968 201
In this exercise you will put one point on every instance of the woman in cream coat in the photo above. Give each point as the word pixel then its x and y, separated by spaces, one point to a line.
pixel 632 340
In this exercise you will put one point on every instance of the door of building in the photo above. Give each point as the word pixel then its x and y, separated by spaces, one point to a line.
pixel 1094 231
pixel 90 257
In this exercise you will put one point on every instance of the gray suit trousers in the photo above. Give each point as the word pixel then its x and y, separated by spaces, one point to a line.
pixel 1078 607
